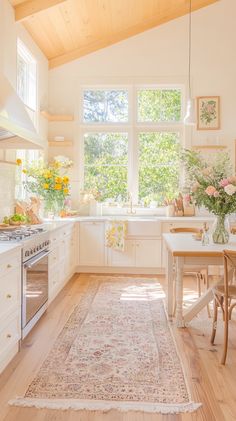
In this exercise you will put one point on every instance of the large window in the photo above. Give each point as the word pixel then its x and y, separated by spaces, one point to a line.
pixel 131 141
pixel 26 77
pixel 106 164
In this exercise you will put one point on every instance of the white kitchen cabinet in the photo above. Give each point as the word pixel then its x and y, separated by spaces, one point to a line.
pixel 91 244
pixel 61 258
pixel 148 253
pixel 143 253
pixel 126 258
pixel 10 305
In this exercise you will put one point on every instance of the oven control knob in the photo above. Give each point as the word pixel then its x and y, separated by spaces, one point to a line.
pixel 31 251
pixel 37 248
pixel 34 250
pixel 27 253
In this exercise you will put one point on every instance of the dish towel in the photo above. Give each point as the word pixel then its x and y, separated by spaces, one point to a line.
pixel 115 235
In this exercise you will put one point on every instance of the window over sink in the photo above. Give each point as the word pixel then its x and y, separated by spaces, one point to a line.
pixel 131 138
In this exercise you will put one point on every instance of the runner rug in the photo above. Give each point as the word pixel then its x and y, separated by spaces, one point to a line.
pixel 116 351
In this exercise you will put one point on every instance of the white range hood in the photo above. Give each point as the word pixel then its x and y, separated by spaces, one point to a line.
pixel 16 128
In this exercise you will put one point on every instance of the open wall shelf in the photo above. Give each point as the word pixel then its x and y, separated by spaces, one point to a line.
pixel 57 117
pixel 213 147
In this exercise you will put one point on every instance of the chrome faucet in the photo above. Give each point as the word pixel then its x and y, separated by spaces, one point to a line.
pixel 130 210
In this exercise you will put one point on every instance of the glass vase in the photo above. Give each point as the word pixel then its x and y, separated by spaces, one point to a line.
pixel 221 230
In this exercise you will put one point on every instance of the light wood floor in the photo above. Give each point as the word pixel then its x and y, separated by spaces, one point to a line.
pixel 210 383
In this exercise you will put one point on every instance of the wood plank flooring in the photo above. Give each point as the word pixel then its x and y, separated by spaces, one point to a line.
pixel 210 383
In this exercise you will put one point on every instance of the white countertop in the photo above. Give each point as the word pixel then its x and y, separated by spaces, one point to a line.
pixel 54 223
pixel 183 244
pixel 6 247
pixel 57 223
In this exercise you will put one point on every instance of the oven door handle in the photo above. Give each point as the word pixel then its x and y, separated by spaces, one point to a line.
pixel 35 260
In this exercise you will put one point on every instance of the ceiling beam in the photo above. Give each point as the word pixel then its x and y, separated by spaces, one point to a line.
pixel 31 7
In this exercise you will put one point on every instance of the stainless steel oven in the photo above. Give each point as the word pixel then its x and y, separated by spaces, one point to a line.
pixel 34 288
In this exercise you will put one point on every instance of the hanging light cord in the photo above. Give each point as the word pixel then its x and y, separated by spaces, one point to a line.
pixel 189 48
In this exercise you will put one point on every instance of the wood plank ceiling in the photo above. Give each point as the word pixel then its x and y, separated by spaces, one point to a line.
pixel 68 29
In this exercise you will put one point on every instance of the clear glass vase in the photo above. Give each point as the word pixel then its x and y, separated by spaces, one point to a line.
pixel 221 229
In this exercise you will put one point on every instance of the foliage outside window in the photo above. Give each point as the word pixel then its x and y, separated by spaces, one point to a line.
pixel 108 106
pixel 133 154
pixel 158 166
pixel 106 164
pixel 29 156
pixel 159 105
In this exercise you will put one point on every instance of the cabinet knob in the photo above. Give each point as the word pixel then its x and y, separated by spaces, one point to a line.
pixel 137 245
pixel 8 296
pixel 8 335
pixel 9 266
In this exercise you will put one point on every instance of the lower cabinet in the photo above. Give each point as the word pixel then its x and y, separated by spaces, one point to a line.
pixel 126 258
pixel 61 259
pixel 148 253
pixel 10 306
pixel 91 244
pixel 138 253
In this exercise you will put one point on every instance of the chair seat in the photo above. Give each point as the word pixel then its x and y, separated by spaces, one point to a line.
pixel 219 289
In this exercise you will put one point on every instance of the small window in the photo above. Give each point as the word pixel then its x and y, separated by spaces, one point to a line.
pixel 27 157
pixel 159 105
pixel 106 164
pixel 105 106
pixel 26 76
pixel 159 166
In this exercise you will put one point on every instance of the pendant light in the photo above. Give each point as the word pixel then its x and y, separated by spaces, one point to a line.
pixel 190 117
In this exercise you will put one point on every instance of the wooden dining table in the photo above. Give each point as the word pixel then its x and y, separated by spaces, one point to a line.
pixel 184 250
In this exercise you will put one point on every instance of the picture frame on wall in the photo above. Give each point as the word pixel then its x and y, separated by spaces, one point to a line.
pixel 208 113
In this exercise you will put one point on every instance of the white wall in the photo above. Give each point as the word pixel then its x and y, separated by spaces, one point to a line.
pixel 9 31
pixel 159 55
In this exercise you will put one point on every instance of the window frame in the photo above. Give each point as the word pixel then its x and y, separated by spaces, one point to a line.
pixel 32 111
pixel 132 127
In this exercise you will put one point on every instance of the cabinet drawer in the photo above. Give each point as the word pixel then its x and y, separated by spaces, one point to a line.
pixel 144 228
pixel 10 334
pixel 9 292
pixel 55 237
pixel 53 257
pixel 9 263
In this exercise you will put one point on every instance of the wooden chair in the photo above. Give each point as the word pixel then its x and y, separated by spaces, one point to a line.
pixel 201 274
pixel 224 293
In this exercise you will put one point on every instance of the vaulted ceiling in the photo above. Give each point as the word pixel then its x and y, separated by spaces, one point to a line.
pixel 68 29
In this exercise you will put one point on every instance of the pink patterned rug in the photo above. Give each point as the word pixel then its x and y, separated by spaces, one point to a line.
pixel 116 351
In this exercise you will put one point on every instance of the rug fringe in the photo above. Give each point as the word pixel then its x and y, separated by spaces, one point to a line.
pixel 105 406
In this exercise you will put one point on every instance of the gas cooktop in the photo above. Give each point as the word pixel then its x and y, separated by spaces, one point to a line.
pixel 19 234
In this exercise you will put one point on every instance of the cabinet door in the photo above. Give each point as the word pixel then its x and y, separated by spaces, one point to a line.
pixel 148 253
pixel 126 258
pixel 92 247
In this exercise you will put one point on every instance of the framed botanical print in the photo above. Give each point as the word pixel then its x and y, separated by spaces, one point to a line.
pixel 208 113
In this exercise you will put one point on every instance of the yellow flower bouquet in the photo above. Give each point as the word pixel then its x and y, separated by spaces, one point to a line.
pixel 49 182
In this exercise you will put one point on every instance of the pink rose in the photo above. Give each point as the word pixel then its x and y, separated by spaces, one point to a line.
pixel 210 190
pixel 224 182
pixel 216 194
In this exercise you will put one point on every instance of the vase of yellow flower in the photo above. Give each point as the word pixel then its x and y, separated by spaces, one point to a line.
pixel 50 183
